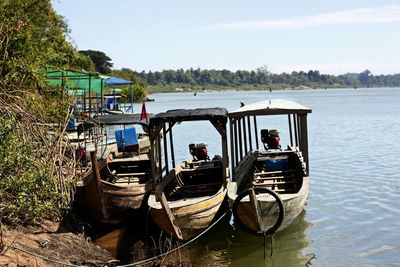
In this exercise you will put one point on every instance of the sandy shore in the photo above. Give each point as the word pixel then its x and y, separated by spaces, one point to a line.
pixel 49 245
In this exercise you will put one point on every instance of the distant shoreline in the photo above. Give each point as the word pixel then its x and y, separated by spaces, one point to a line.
pixel 273 87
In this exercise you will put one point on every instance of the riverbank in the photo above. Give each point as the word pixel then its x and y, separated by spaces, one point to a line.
pixel 51 244
pixel 272 87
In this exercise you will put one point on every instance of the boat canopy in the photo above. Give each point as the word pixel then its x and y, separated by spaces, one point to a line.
pixel 178 115
pixel 112 81
pixel 270 107
pixel 121 119
pixel 87 83
pixel 80 79
pixel 75 79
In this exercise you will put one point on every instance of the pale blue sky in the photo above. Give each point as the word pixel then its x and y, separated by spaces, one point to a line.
pixel 333 36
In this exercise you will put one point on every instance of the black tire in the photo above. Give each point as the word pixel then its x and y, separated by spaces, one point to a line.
pixel 244 193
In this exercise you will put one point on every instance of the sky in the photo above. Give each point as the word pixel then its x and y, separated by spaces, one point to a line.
pixel 332 36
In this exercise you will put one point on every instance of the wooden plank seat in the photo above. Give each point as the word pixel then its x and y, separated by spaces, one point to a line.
pixel 281 177
pixel 127 180
pixel 279 181
pixel 134 174
pixel 274 182
pixel 200 189
pixel 283 190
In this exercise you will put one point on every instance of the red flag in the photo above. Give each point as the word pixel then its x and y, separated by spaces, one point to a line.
pixel 143 115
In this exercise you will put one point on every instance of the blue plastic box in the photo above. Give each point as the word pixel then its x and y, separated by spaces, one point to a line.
pixel 127 140
pixel 276 164
pixel 72 124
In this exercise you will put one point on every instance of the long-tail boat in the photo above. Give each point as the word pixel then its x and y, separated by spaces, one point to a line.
pixel 270 182
pixel 187 195
pixel 122 180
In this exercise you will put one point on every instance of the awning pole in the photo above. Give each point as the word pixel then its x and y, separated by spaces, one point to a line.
pixel 130 87
pixel 102 96
pixel 90 97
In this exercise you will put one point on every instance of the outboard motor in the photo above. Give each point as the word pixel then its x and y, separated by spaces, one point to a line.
pixel 270 139
pixel 199 151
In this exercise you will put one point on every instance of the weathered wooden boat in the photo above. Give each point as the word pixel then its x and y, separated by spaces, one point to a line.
pixel 188 196
pixel 270 184
pixel 118 183
pixel 115 186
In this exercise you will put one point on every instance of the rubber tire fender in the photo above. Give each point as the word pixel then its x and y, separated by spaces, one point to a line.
pixel 244 193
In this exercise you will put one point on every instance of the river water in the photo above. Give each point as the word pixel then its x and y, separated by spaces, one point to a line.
pixel 352 216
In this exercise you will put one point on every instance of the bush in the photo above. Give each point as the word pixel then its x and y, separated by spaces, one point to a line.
pixel 28 192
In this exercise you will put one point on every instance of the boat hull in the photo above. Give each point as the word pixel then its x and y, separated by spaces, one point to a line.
pixel 191 217
pixel 108 202
pixel 293 205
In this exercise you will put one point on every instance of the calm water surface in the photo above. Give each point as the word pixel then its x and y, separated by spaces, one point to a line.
pixel 352 217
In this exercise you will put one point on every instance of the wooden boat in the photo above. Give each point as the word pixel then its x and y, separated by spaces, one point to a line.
pixel 270 184
pixel 116 184
pixel 188 196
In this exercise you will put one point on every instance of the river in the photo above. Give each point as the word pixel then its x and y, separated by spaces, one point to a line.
pixel 352 216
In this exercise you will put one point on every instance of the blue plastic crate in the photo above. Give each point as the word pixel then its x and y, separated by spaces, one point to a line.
pixel 276 164
pixel 127 140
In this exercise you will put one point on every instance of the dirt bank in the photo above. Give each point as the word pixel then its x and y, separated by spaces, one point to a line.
pixel 49 245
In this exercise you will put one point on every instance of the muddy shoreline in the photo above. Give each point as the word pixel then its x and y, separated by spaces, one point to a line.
pixel 51 244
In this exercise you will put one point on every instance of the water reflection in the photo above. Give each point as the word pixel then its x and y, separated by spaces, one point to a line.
pixel 223 245
pixel 226 245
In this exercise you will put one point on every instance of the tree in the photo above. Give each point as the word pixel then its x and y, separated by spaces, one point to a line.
pixel 33 177
pixel 101 61
pixel 364 77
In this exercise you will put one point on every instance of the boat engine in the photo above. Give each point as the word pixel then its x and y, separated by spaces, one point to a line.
pixel 270 139
pixel 199 151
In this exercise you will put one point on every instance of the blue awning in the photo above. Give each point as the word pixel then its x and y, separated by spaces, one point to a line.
pixel 117 81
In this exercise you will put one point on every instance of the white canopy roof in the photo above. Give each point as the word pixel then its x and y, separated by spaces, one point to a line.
pixel 270 107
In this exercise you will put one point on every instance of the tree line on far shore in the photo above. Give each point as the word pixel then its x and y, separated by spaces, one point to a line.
pixel 261 76
pixel 240 78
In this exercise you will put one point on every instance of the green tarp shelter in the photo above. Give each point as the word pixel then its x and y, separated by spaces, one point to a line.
pixel 74 79
pixel 87 84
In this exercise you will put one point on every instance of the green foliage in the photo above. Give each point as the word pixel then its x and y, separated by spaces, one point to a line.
pixel 32 186
pixel 27 195
pixel 101 61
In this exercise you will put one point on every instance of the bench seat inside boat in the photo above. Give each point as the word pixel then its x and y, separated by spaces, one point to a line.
pixel 200 180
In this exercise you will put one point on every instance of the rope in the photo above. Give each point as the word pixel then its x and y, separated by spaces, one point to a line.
pixel 177 248
pixel 43 257
pixel 126 265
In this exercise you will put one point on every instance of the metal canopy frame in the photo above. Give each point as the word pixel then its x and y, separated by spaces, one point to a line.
pixel 162 127
pixel 244 141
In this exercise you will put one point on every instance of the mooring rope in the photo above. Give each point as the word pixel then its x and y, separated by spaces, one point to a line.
pixel 177 248
pixel 126 265
pixel 43 257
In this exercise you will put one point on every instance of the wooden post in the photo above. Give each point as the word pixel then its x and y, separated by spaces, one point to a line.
pixel 255 131
pixel 164 203
pixel 304 140
pixel 249 129
pixel 96 176
pixel 296 130
pixel 236 142
pixel 245 136
pixel 171 140
pixel 290 130
pixel 165 149
pixel 256 207
pixel 240 138
pixel 232 146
